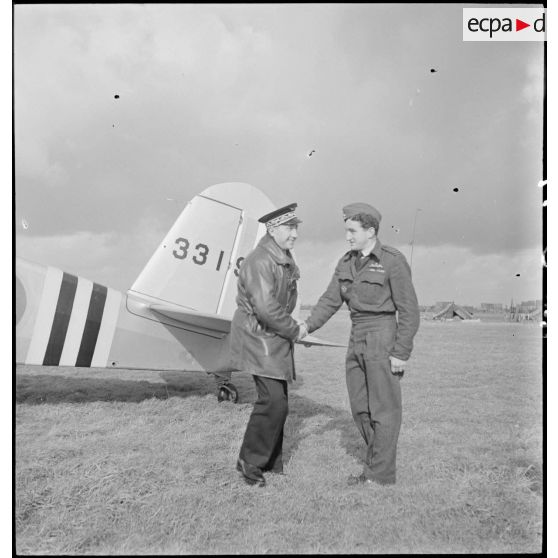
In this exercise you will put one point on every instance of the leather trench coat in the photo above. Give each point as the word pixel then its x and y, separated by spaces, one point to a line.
pixel 262 329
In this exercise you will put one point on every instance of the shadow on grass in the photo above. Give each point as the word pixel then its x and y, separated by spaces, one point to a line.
pixel 339 421
pixel 53 388
pixel 57 388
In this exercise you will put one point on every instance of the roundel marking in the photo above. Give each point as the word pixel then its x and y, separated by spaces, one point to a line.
pixel 21 300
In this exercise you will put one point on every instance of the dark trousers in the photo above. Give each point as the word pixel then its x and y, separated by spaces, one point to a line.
pixel 263 440
pixel 375 397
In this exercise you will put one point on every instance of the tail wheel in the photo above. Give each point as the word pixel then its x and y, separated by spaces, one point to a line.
pixel 227 392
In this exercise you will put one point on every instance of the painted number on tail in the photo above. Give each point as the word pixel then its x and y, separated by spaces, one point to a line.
pixel 200 258
pixel 181 251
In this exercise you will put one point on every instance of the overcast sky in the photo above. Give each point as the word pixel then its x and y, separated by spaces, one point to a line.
pixel 211 93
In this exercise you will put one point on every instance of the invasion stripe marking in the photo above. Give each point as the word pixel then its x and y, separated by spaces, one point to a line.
pixel 108 326
pixel 92 325
pixel 77 322
pixel 61 320
pixel 45 314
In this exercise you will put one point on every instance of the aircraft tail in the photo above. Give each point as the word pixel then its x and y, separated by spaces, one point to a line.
pixel 196 264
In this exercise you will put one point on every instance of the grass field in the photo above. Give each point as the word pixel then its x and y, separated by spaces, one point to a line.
pixel 139 462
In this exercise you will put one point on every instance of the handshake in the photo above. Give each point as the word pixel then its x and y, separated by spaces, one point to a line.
pixel 303 331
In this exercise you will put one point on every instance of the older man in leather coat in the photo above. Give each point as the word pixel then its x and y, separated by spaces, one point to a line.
pixel 262 336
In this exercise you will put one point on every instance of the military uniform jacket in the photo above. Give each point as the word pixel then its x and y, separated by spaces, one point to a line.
pixel 382 287
pixel 262 330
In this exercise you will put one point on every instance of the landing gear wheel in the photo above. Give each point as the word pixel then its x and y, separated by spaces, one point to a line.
pixel 227 392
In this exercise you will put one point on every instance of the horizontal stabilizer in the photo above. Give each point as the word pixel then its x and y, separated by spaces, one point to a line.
pixel 218 324
pixel 210 322
pixel 311 341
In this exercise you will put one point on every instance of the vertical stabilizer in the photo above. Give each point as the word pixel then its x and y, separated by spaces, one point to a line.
pixel 196 265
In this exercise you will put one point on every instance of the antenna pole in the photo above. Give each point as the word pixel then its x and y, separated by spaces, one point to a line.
pixel 413 239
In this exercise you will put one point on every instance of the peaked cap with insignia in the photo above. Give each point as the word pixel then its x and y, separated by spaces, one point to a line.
pixel 282 216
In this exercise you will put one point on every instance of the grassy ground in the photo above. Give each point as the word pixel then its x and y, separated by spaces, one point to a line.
pixel 137 462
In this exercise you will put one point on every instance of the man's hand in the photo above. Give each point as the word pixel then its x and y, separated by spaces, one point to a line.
pixel 397 365
pixel 303 330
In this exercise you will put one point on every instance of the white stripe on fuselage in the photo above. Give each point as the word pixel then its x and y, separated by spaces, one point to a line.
pixel 45 316
pixel 108 326
pixel 77 323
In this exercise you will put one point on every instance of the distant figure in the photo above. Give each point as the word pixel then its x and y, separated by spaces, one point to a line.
pixel 262 336
pixel 375 282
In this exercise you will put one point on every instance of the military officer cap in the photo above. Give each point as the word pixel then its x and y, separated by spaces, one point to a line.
pixel 353 209
pixel 282 216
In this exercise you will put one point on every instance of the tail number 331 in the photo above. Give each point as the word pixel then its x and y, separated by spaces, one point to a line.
pixel 200 257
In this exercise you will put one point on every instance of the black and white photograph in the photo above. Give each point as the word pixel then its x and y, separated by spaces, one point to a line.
pixel 279 278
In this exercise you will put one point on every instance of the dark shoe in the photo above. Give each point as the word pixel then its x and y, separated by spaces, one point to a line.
pixel 276 469
pixel 227 392
pixel 354 480
pixel 251 473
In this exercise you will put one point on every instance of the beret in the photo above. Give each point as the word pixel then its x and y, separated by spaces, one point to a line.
pixel 282 216
pixel 355 208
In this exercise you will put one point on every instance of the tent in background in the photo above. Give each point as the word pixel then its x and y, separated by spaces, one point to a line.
pixel 453 311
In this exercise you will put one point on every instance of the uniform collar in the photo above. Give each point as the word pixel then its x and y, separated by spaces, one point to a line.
pixel 376 251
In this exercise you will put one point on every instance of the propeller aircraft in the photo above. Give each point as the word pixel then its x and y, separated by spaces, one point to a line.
pixel 176 315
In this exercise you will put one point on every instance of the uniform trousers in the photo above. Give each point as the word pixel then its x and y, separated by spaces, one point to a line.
pixel 375 395
pixel 263 440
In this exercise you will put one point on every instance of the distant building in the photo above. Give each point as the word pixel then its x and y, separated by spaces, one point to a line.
pixel 492 307
pixel 528 306
pixel 526 310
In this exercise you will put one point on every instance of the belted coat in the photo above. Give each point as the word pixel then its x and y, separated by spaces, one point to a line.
pixel 262 329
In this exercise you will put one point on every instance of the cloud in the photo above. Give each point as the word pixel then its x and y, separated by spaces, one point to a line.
pixel 456 273
pixel 186 97
pixel 532 92
pixel 211 94
pixel 114 260
pixel 440 273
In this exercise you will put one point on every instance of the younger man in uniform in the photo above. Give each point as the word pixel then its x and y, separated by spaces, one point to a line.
pixel 375 282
